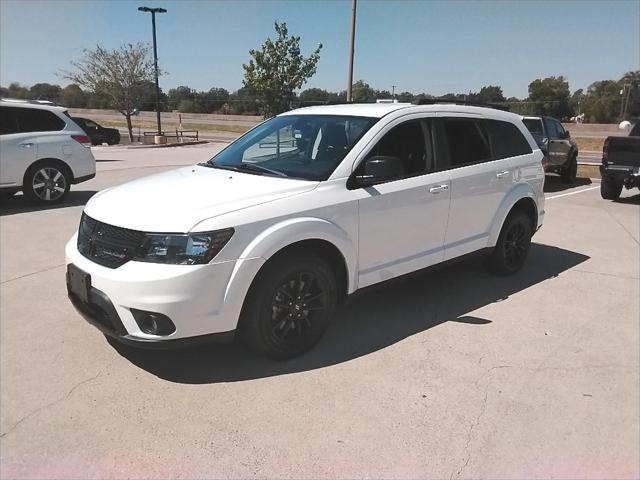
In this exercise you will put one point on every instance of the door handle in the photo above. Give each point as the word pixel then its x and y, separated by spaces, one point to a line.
pixel 439 188
pixel 26 145
pixel 502 174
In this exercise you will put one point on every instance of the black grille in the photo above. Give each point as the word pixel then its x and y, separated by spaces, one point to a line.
pixel 105 244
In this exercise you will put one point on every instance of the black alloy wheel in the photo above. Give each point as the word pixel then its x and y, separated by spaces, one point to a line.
pixel 513 244
pixel 289 306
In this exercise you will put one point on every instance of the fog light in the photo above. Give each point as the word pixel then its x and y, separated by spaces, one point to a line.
pixel 153 323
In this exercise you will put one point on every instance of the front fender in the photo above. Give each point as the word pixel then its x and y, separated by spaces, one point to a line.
pixel 517 192
pixel 287 232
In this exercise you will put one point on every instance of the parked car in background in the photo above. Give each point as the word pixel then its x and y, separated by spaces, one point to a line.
pixel 268 236
pixel 557 144
pixel 98 133
pixel 620 164
pixel 43 151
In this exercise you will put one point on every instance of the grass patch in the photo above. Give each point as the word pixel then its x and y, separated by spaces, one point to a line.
pixel 168 126
pixel 588 144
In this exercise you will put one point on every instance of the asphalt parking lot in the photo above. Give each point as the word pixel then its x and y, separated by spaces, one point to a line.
pixel 449 374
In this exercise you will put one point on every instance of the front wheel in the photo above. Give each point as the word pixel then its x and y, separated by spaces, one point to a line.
pixel 513 245
pixel 47 182
pixel 289 306
pixel 610 190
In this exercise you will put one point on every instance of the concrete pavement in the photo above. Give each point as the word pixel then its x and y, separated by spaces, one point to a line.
pixel 453 373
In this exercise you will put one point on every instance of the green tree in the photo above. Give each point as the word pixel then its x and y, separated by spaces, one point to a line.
pixel 550 96
pixel 278 69
pixel 211 100
pixel 45 91
pixel 491 94
pixel 243 102
pixel 361 92
pixel 314 95
pixel 603 101
pixel 178 94
pixel 72 96
pixel 116 75
pixel 405 97
pixel 15 90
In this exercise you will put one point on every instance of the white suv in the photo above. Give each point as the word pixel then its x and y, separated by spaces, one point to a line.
pixel 43 151
pixel 272 233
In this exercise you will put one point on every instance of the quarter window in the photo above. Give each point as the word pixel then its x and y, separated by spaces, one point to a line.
pixel 8 120
pixel 506 140
pixel 467 140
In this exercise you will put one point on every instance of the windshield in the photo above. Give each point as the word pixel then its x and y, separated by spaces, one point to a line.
pixel 308 147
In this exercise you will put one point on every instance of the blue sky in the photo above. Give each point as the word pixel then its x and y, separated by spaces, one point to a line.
pixel 420 46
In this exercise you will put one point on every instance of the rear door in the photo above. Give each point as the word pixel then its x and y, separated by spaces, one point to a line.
pixel 402 222
pixel 479 182
pixel 559 145
pixel 17 147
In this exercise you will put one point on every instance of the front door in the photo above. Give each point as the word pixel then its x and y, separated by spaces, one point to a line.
pixel 402 222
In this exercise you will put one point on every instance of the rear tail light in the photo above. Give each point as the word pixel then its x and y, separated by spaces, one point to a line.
pixel 605 150
pixel 545 163
pixel 82 139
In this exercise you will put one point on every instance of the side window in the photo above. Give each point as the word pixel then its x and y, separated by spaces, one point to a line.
pixel 8 120
pixel 559 129
pixel 35 120
pixel 411 143
pixel 467 140
pixel 506 140
pixel 552 131
pixel 91 124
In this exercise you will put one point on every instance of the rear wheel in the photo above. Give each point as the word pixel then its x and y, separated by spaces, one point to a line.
pixel 571 171
pixel 289 306
pixel 513 244
pixel 610 190
pixel 47 182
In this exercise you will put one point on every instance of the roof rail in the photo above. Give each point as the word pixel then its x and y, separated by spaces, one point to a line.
pixel 23 100
pixel 435 101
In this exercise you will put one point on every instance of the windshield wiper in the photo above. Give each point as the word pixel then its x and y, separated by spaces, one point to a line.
pixel 259 168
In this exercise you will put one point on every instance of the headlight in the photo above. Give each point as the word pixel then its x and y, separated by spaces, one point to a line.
pixel 190 249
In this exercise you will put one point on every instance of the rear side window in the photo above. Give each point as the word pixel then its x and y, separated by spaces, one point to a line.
pixel 8 120
pixel 506 140
pixel 552 128
pixel 635 131
pixel 534 125
pixel 467 140
pixel 35 120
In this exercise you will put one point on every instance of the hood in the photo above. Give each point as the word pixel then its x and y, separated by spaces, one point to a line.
pixel 175 201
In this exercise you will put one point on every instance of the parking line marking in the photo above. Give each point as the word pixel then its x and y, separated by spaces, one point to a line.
pixel 572 193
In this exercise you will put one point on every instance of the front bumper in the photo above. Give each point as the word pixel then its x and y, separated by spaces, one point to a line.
pixel 628 176
pixel 200 300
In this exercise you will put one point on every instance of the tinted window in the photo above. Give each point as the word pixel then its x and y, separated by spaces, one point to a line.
pixel 8 120
pixel 635 131
pixel 506 140
pixel 467 140
pixel 411 143
pixel 559 128
pixel 552 129
pixel 34 120
pixel 534 125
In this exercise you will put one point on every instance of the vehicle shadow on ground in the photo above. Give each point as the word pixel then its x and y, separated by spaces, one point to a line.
pixel 553 183
pixel 376 319
pixel 633 200
pixel 20 204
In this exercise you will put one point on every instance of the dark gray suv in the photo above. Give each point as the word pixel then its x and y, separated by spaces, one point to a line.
pixel 557 145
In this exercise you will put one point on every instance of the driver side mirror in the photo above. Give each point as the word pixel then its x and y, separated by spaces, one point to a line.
pixel 379 169
pixel 566 134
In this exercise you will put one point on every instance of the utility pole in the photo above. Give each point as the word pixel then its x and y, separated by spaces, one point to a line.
pixel 153 12
pixel 351 47
pixel 393 92
pixel 626 102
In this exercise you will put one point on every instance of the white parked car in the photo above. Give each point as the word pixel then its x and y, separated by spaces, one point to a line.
pixel 43 151
pixel 271 234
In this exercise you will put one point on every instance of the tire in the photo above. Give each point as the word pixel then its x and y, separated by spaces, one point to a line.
pixel 610 190
pixel 47 182
pixel 513 244
pixel 274 321
pixel 569 173
pixel 114 139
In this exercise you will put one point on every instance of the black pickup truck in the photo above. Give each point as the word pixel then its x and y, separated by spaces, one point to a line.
pixel 620 164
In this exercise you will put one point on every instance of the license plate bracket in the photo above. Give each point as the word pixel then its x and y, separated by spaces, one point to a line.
pixel 79 282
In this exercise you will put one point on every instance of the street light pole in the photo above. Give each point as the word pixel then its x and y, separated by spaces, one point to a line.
pixel 153 12
pixel 351 47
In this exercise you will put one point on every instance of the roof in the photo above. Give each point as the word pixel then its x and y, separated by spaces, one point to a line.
pixel 30 104
pixel 378 110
